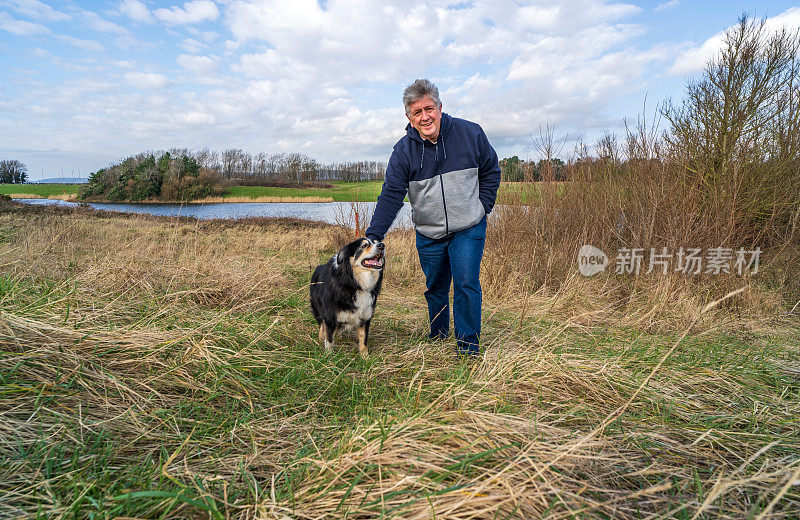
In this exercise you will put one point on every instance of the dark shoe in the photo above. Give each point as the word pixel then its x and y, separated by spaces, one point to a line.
pixel 467 349
pixel 469 355
pixel 436 336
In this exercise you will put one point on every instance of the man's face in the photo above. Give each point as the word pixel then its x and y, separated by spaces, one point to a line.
pixel 426 116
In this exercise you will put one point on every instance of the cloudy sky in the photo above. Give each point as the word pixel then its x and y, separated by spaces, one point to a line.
pixel 87 83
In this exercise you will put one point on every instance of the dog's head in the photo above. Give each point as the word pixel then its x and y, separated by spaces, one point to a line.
pixel 361 254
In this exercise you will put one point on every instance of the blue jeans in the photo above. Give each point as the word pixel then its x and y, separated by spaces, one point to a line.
pixel 456 257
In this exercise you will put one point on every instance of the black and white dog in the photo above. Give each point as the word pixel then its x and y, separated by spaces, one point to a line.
pixel 345 289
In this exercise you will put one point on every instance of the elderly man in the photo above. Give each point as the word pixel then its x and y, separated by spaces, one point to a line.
pixel 451 175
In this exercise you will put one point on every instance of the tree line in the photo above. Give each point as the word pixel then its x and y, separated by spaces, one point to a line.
pixel 13 172
pixel 240 167
pixel 514 169
pixel 180 174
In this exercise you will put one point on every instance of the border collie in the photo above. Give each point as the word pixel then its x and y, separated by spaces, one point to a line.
pixel 345 289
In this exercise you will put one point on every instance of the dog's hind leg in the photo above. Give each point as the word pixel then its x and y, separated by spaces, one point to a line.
pixel 363 330
pixel 329 333
pixel 322 332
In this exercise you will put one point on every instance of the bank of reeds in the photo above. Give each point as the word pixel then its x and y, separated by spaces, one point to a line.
pixel 65 197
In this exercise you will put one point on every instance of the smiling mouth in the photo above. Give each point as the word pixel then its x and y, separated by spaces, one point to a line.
pixel 374 262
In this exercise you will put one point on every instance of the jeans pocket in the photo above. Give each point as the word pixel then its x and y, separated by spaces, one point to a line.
pixel 478 231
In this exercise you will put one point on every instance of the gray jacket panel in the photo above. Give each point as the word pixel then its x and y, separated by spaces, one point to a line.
pixel 435 214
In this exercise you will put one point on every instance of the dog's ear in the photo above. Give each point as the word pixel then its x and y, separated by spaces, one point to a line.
pixel 341 256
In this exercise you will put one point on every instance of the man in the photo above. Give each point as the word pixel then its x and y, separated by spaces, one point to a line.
pixel 451 175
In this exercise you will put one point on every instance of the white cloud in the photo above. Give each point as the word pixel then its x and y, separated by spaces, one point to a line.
pixel 290 75
pixel 789 19
pixel 191 45
pixel 553 56
pixel 38 10
pixel 100 24
pixel 195 118
pixel 694 59
pixel 20 27
pixel 41 53
pixel 667 5
pixel 146 80
pixel 194 11
pixel 135 10
pixel 207 37
pixel 87 45
pixel 200 65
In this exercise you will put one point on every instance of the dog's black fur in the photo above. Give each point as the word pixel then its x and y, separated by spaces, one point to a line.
pixel 344 290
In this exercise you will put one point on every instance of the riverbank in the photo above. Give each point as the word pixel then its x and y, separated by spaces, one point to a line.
pixel 341 191
pixel 158 367
pixel 366 191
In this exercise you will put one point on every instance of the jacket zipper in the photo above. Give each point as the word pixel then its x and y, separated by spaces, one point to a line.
pixel 441 185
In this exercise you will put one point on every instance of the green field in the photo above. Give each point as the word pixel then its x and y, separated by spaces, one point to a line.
pixel 366 191
pixel 43 190
pixel 342 191
pixel 156 368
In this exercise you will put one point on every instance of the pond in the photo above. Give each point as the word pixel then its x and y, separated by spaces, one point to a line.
pixel 331 212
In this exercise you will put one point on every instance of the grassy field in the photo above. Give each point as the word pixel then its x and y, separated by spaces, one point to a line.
pixel 164 368
pixel 367 191
pixel 42 190
pixel 342 191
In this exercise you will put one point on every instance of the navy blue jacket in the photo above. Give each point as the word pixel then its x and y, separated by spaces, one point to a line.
pixel 451 184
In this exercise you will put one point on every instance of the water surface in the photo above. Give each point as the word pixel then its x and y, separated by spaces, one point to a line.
pixel 331 212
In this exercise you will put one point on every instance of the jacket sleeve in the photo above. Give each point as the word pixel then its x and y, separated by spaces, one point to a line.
pixel 395 186
pixel 488 172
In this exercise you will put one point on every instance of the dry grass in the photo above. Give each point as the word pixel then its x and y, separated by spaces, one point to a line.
pixel 25 196
pixel 66 197
pixel 168 368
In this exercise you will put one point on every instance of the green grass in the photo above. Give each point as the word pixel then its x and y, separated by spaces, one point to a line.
pixel 366 191
pixel 342 191
pixel 157 369
pixel 44 190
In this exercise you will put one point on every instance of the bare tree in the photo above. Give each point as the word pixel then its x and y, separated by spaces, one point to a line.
pixel 230 159
pixel 549 147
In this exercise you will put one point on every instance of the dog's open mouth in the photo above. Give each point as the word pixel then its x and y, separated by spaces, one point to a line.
pixel 373 262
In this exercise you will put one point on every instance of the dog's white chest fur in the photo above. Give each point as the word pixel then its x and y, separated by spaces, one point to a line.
pixel 367 278
pixel 363 311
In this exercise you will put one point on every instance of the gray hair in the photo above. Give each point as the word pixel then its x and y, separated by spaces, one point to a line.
pixel 418 90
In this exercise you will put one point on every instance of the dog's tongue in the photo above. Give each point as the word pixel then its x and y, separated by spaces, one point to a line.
pixel 373 261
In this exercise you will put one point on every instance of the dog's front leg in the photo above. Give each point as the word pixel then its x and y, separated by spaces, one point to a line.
pixel 362 340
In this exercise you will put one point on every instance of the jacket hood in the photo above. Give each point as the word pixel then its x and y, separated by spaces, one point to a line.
pixel 413 133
